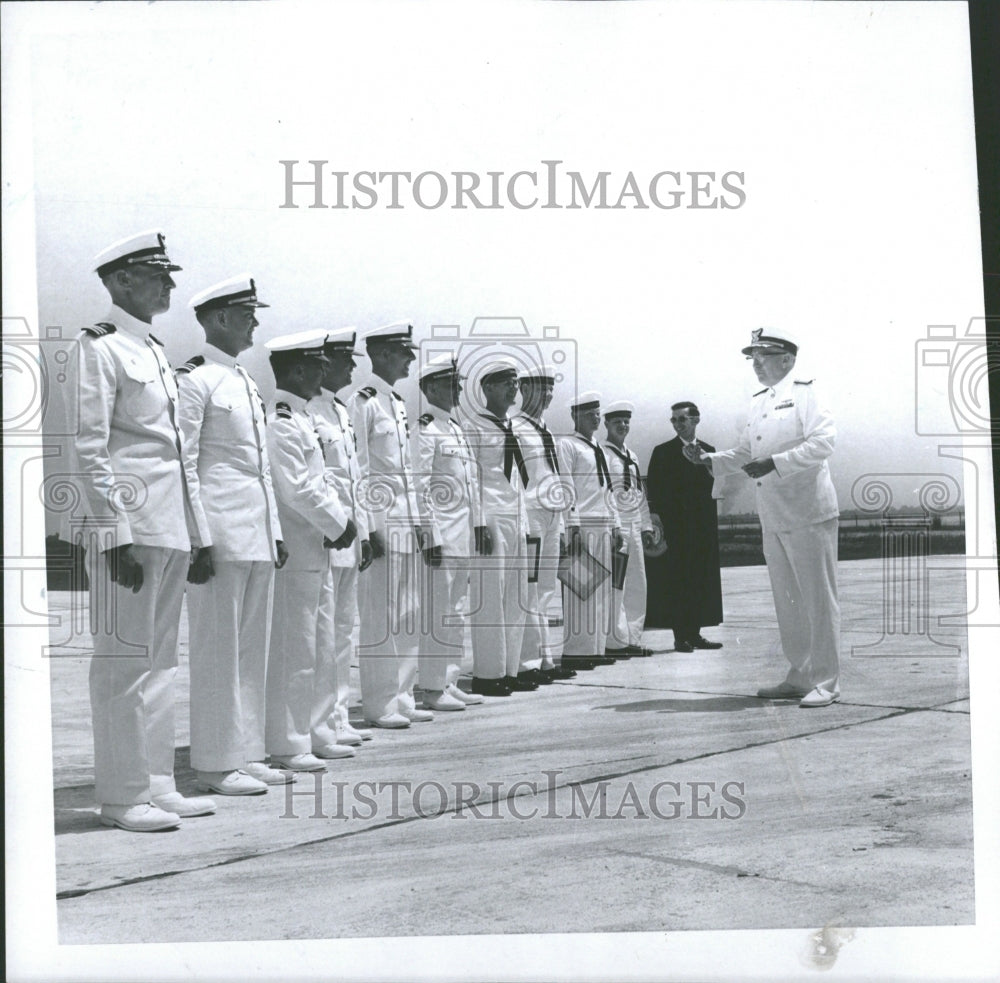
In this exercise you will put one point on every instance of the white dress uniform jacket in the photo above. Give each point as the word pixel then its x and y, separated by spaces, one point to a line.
pixel 307 507
pixel 594 492
pixel 228 472
pixel 378 415
pixel 343 469
pixel 128 451
pixel 787 423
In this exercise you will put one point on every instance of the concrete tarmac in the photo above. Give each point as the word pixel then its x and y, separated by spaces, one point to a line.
pixel 656 794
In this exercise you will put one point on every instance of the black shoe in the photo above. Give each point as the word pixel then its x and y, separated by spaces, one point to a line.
pixel 683 647
pixel 559 672
pixel 578 662
pixel 703 643
pixel 625 653
pixel 490 687
pixel 536 676
pixel 638 652
pixel 518 685
pixel 603 660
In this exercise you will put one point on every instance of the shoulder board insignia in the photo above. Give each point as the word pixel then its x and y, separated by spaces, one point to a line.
pixel 153 337
pixel 367 392
pixel 761 393
pixel 804 382
pixel 425 419
pixel 283 411
pixel 100 329
pixel 191 364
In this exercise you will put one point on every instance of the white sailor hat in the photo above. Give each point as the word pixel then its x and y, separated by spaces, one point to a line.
pixel 147 247
pixel 621 407
pixel 440 365
pixel 588 400
pixel 236 291
pixel 303 342
pixel 342 340
pixel 497 367
pixel 542 373
pixel 401 332
pixel 769 340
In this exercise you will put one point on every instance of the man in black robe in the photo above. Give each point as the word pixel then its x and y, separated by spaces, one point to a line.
pixel 685 590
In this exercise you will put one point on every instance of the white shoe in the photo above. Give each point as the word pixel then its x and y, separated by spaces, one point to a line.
pixel 141 818
pixel 391 721
pixel 819 697
pixel 197 805
pixel 348 739
pixel 333 751
pixel 297 762
pixel 234 782
pixel 442 700
pixel 267 775
pixel 469 699
pixel 416 715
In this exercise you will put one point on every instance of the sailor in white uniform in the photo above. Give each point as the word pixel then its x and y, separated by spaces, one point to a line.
pixel 628 614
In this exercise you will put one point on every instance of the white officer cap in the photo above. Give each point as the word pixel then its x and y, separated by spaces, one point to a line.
pixel 237 290
pixel 439 365
pixel 621 407
pixel 770 340
pixel 589 400
pixel 400 333
pixel 147 247
pixel 497 367
pixel 342 340
pixel 542 373
pixel 303 342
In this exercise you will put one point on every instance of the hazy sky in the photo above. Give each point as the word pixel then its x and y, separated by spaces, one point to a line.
pixel 851 125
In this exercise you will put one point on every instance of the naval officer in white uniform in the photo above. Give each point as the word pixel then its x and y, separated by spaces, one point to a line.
pixel 313 521
pixel 784 450
pixel 338 609
pixel 448 496
pixel 239 544
pixel 136 529
pixel 387 593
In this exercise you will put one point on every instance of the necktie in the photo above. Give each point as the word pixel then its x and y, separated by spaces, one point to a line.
pixel 511 450
pixel 629 464
pixel 603 475
pixel 548 443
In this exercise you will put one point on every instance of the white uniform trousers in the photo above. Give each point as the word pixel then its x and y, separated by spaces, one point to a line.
pixel 338 609
pixel 291 667
pixel 802 565
pixel 542 643
pixel 586 621
pixel 230 630
pixel 389 634
pixel 132 675
pixel 499 601
pixel 628 615
pixel 442 629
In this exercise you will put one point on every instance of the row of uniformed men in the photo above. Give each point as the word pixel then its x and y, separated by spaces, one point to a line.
pixel 326 493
